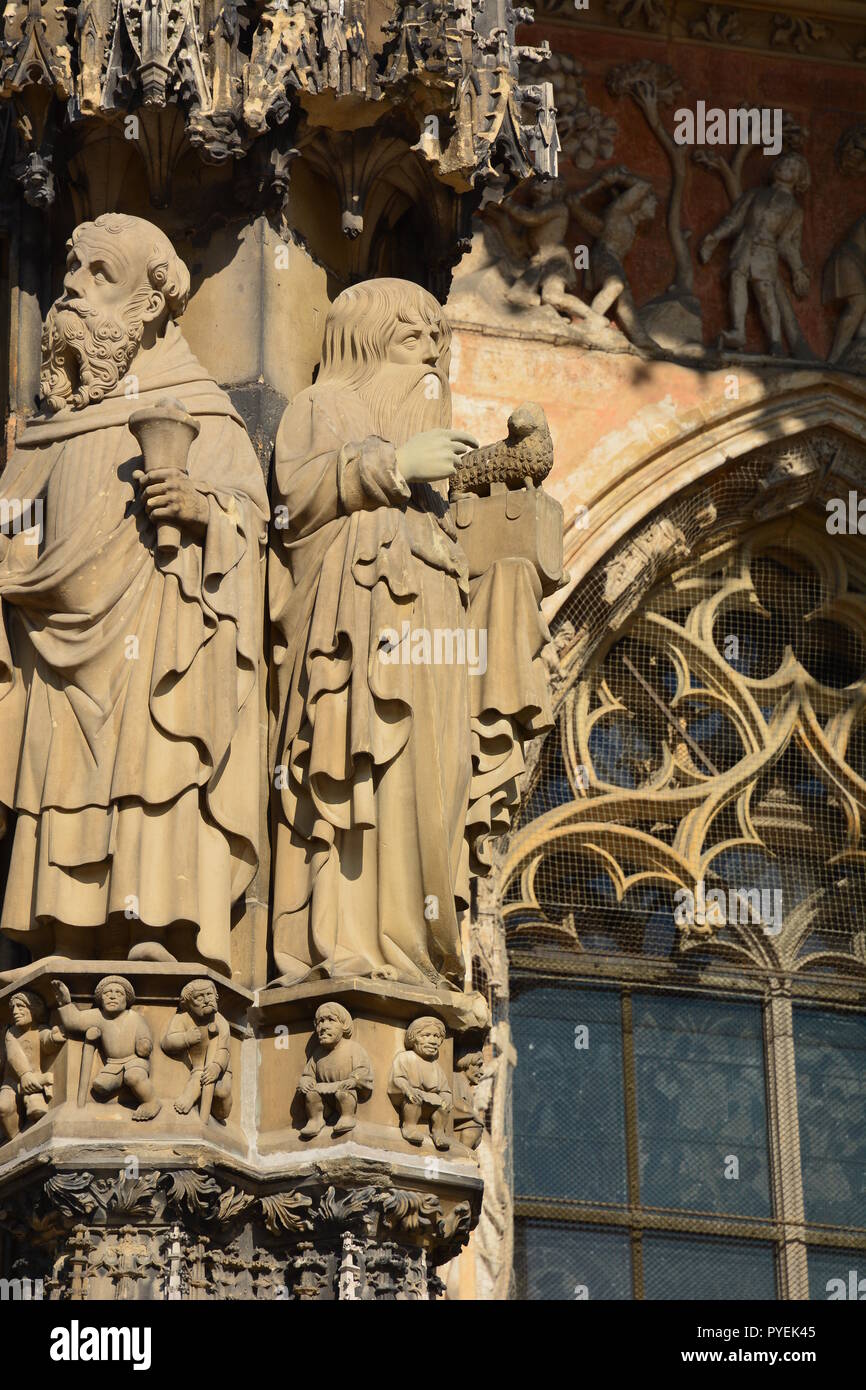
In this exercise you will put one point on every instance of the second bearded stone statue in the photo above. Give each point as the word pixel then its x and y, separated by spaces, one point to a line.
pixel 129 668
pixel 402 688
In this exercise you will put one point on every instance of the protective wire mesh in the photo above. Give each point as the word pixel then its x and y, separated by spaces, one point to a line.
pixel 684 903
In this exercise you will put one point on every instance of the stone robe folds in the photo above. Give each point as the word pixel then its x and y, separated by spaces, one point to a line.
pixel 129 706
pixel 391 776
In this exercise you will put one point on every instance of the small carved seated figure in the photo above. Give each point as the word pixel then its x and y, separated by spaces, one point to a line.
pixel 339 1072
pixel 418 1087
pixel 25 1086
pixel 200 1036
pixel 468 1121
pixel 123 1038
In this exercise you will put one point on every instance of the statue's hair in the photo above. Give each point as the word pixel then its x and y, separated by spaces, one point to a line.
pixel 466 1059
pixel 420 1023
pixel 166 271
pixel 35 1003
pixel 804 176
pixel 114 980
pixel 186 992
pixel 340 1013
pixel 361 321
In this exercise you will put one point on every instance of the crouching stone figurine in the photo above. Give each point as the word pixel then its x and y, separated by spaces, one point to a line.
pixel 26 1088
pixel 338 1073
pixel 123 1039
pixel 200 1036
pixel 418 1087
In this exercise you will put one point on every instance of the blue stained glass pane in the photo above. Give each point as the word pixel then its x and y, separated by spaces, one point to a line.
pixel 830 1051
pixel 571 1262
pixel 685 1267
pixel 569 1114
pixel 701 1105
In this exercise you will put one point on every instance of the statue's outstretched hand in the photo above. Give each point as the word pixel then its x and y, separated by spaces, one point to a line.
pixel 170 495
pixel 433 455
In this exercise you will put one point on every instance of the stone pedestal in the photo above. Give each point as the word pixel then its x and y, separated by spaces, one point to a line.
pixel 99 1204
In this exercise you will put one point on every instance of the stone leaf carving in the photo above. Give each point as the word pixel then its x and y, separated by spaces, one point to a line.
pixel 102 722
pixel 586 134
pixel 287 1211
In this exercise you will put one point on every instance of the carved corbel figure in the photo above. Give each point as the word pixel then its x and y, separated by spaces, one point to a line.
pixel 337 1075
pixel 26 1086
pixel 468 1119
pixel 200 1036
pixel 122 1039
pixel 418 1087
pixel 766 225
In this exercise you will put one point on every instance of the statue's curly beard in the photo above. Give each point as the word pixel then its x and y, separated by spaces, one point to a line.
pixel 405 400
pixel 85 353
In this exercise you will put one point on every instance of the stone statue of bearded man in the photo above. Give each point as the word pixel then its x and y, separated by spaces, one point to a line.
pixel 396 755
pixel 129 674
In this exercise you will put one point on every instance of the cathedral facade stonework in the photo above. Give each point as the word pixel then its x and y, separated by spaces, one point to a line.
pixel 432 649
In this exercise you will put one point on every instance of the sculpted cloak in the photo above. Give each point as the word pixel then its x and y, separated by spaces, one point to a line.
pixel 129 708
pixel 391 775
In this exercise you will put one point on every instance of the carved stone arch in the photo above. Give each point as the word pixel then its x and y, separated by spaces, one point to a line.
pixel 661 586
pixel 667 451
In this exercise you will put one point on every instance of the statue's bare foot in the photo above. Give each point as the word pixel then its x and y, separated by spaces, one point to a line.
pixel 441 1141
pixel 414 1134
pixel 148 1110
pixel 312 1128
pixel 344 1125
pixel 733 340
pixel 182 1106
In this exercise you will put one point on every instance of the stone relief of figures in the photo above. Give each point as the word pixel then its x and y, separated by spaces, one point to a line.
pixel 120 1037
pixel 521 272
pixel 97 733
pixel 199 1035
pixel 26 1086
pixel 766 228
pixel 631 202
pixel 673 318
pixel 418 1087
pixel 338 1074
pixel 845 271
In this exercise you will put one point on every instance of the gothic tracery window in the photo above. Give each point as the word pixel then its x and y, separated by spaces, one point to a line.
pixel 684 904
